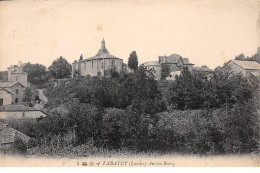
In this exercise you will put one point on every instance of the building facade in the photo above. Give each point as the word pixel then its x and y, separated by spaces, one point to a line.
pixel 243 67
pixel 16 90
pixel 5 97
pixel 97 65
pixel 16 74
pixel 175 62
pixel 155 67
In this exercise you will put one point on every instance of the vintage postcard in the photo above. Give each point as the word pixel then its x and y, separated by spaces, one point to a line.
pixel 133 83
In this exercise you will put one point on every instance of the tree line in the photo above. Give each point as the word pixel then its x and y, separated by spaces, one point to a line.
pixel 135 112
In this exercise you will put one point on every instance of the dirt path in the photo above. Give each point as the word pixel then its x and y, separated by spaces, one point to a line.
pixel 42 96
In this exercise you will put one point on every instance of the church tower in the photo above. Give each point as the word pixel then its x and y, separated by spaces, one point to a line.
pixel 103 48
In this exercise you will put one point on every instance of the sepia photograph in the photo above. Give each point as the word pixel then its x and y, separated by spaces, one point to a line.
pixel 130 83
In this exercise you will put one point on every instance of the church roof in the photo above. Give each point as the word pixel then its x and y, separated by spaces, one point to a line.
pixel 102 54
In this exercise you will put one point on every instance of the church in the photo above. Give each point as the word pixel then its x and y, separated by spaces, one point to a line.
pixel 97 65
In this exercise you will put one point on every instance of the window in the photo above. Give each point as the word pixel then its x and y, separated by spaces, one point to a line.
pixel 102 65
pixel 16 91
pixel 16 100
pixel 92 64
pixel 1 102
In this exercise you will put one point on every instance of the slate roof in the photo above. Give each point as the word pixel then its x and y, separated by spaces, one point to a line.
pixel 248 65
pixel 152 63
pixel 102 54
pixel 9 84
pixel 174 58
pixel 8 134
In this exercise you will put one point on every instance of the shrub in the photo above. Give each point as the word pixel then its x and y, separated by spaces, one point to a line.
pixel 19 146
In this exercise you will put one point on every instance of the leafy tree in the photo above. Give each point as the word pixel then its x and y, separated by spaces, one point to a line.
pixel 133 61
pixel 37 74
pixel 3 76
pixel 165 71
pixel 60 68
pixel 27 96
pixel 241 57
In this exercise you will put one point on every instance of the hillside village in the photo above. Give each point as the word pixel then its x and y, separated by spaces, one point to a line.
pixel 91 85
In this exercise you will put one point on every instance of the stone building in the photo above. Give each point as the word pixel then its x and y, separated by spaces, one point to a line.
pixel 15 73
pixel 99 64
pixel 175 62
pixel 156 68
pixel 13 90
pixel 243 67
pixel 5 97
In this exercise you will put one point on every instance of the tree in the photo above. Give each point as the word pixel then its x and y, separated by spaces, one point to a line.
pixel 165 71
pixel 60 68
pixel 133 61
pixel 37 74
pixel 27 96
pixel 241 57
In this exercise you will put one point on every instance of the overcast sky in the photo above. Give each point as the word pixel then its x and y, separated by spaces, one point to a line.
pixel 207 32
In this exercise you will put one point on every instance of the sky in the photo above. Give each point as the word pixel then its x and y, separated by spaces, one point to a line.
pixel 207 32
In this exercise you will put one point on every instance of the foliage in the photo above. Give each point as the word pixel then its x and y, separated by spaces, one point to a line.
pixel 37 74
pixel 60 68
pixel 30 96
pixel 241 57
pixel 216 131
pixel 3 76
pixel 192 91
pixel 165 71
pixel 19 146
pixel 133 61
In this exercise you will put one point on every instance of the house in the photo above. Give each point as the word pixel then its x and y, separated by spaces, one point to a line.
pixel 16 74
pixel 20 111
pixel 5 97
pixel 8 136
pixel 155 67
pixel 99 64
pixel 16 90
pixel 243 67
pixel 175 62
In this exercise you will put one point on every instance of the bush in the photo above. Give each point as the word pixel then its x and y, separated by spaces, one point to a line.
pixel 19 146
pixel 232 130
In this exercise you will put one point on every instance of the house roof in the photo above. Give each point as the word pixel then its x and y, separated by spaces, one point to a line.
pixel 248 65
pixel 6 91
pixel 9 84
pixel 18 108
pixel 174 58
pixel 152 63
pixel 8 134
